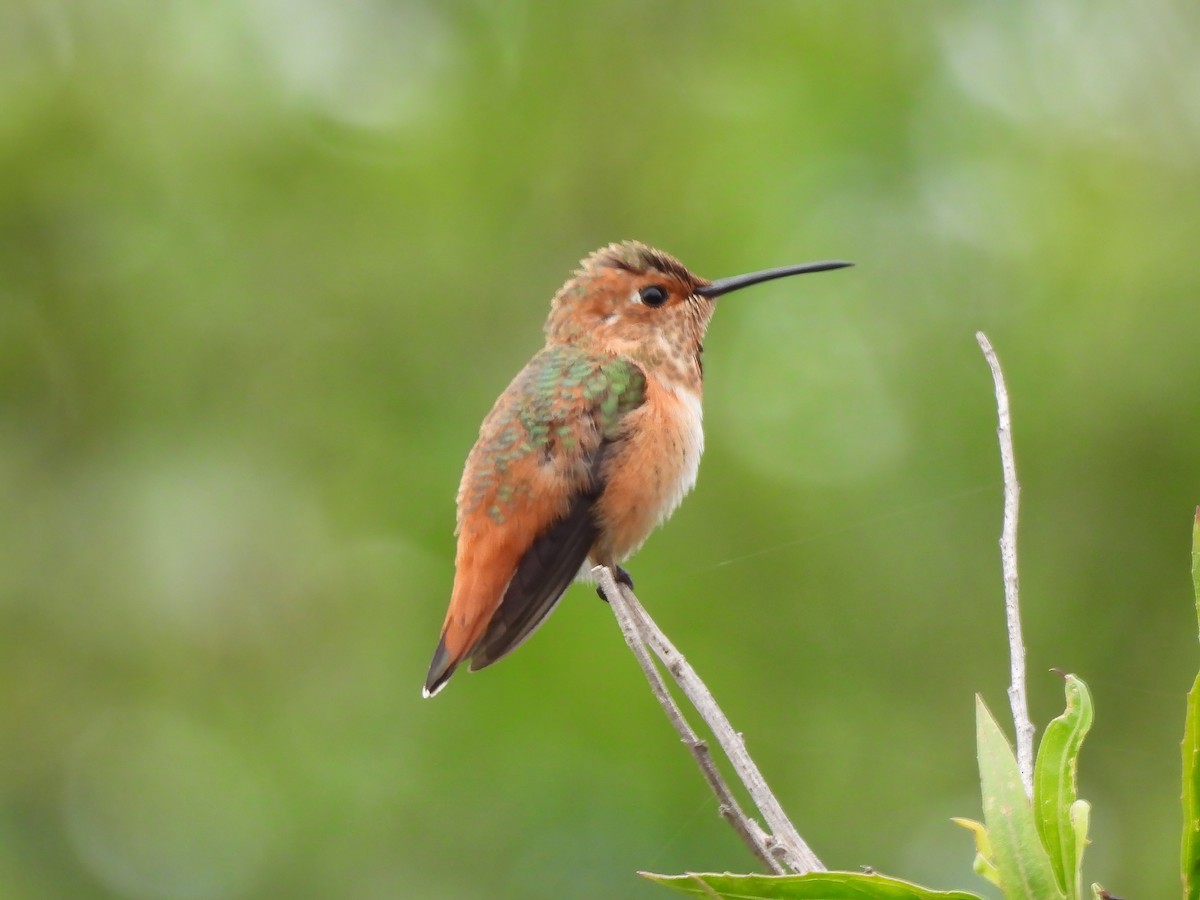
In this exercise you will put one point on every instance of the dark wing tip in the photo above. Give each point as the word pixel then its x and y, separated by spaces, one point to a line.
pixel 440 669
pixel 542 576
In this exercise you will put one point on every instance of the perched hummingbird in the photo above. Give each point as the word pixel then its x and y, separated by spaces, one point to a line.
pixel 592 445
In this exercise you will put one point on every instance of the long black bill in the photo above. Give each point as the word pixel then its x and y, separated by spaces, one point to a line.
pixel 737 282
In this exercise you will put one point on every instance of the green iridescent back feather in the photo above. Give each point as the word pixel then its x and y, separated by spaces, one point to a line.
pixel 546 409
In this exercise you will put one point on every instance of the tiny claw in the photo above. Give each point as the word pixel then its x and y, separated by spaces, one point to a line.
pixel 620 576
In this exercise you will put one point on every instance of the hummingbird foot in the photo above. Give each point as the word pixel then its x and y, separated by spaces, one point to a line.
pixel 621 576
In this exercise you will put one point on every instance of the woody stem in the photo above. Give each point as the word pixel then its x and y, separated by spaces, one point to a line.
pixel 1017 696
pixel 783 845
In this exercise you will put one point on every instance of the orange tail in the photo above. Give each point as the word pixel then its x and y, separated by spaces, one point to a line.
pixel 479 584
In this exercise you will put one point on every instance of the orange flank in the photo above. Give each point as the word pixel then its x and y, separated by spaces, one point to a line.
pixel 593 444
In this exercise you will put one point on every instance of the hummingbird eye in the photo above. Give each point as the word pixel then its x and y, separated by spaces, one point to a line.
pixel 654 295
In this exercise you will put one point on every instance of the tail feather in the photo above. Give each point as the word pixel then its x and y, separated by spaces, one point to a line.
pixel 543 574
pixel 440 669
pixel 505 587
pixel 466 621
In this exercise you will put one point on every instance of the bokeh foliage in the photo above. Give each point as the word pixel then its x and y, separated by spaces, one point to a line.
pixel 265 265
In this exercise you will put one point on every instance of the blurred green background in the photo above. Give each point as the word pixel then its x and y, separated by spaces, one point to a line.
pixel 264 266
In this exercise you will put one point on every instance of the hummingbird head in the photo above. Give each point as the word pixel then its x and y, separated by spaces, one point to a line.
pixel 636 301
pixel 629 293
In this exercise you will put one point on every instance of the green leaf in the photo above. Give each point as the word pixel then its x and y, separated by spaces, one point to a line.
pixel 986 869
pixel 1054 788
pixel 1191 756
pixel 816 886
pixel 984 866
pixel 1081 816
pixel 1022 861
pixel 1191 794
pixel 982 844
pixel 1196 562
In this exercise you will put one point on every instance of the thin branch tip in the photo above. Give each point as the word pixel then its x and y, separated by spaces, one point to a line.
pixel 1018 698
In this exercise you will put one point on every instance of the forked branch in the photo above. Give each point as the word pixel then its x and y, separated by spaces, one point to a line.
pixel 782 848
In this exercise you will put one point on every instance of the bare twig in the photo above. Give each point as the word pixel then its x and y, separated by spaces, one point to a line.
pixel 751 832
pixel 798 855
pixel 785 842
pixel 1008 556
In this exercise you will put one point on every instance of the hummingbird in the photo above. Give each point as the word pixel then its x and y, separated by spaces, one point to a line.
pixel 592 446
